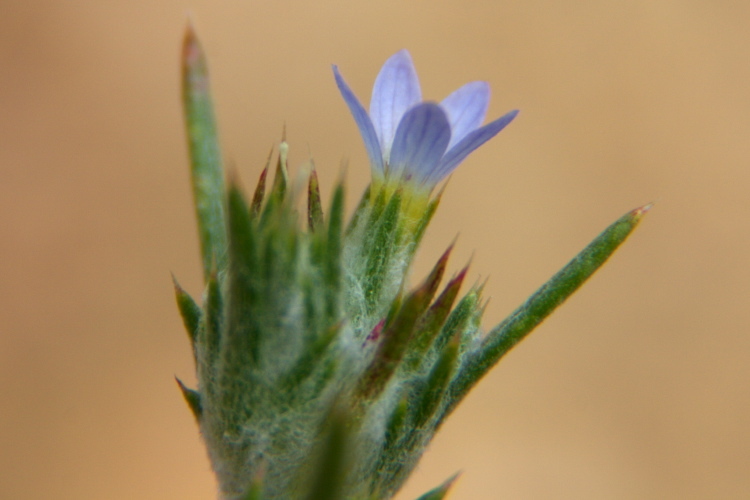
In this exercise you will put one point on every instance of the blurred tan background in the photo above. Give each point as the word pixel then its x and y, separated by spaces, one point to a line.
pixel 639 387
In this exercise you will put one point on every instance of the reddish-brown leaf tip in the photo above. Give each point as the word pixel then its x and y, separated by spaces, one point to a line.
pixel 639 212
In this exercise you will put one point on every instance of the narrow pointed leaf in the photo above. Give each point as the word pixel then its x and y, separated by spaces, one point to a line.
pixel 380 250
pixel 310 358
pixel 334 247
pixel 242 244
pixel 314 207
pixel 205 157
pixel 378 202
pixel 277 193
pixel 213 318
pixel 458 319
pixel 209 335
pixel 189 310
pixel 396 422
pixel 281 177
pixel 398 429
pixel 332 466
pixel 545 300
pixel 242 336
pixel 436 275
pixel 431 323
pixel 442 490
pixel 260 189
pixel 436 384
pixel 193 399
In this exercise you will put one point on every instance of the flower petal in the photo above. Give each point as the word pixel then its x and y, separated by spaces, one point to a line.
pixel 420 142
pixel 366 128
pixel 460 151
pixel 466 109
pixel 396 90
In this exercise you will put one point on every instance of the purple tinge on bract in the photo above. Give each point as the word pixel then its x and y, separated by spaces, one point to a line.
pixel 410 139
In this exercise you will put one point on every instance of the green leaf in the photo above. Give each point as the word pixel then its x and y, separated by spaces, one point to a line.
pixel 281 177
pixel 314 207
pixel 437 382
pixel 458 319
pixel 331 469
pixel 214 318
pixel 242 337
pixel 442 490
pixel 431 323
pixel 436 275
pixel 260 189
pixel 209 336
pixel 205 156
pixel 333 251
pixel 193 399
pixel 380 248
pixel 278 189
pixel 545 300
pixel 189 310
pixel 243 253
pixel 396 422
pixel 311 357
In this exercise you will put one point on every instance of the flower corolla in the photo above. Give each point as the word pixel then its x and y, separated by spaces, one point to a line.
pixel 415 141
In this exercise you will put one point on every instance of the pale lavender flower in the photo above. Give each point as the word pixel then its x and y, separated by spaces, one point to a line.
pixel 421 141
